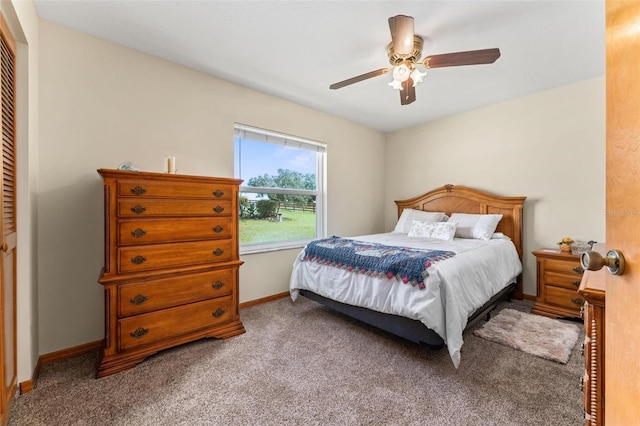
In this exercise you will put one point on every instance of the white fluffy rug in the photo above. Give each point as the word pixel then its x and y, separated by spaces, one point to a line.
pixel 541 336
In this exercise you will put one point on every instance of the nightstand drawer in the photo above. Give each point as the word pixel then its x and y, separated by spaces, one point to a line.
pixel 149 328
pixel 147 189
pixel 132 232
pixel 570 282
pixel 141 297
pixel 563 266
pixel 569 299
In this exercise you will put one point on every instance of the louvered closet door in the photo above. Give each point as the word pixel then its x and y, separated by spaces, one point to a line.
pixel 8 221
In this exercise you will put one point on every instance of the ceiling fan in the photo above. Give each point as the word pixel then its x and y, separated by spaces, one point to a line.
pixel 404 53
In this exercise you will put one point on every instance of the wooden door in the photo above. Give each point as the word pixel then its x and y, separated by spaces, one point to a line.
pixel 8 366
pixel 622 333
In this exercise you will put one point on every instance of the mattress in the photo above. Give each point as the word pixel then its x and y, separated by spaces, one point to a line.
pixel 454 288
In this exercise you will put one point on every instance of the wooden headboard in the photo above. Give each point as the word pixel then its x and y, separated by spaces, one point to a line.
pixel 460 199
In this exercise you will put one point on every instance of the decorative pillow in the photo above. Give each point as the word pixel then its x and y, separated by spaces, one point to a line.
pixel 437 230
pixel 478 226
pixel 500 236
pixel 404 222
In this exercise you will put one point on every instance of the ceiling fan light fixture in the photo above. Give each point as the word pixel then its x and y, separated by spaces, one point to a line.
pixel 395 84
pixel 417 76
pixel 401 72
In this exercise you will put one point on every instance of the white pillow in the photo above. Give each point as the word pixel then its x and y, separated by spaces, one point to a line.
pixel 478 226
pixel 404 222
pixel 500 236
pixel 437 230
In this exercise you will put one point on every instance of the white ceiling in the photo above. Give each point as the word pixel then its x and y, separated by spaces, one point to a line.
pixel 296 49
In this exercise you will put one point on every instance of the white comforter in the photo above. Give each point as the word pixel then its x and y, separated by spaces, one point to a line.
pixel 455 288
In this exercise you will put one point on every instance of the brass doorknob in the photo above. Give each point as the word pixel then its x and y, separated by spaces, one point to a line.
pixel 593 261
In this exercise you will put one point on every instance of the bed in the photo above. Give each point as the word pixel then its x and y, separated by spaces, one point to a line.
pixel 463 281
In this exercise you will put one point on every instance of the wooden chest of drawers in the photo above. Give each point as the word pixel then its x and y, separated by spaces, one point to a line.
pixel 593 288
pixel 171 263
pixel 558 279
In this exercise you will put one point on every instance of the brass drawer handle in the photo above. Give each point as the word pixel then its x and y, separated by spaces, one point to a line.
pixel 138 190
pixel 218 229
pixel 138 260
pixel 218 209
pixel 218 285
pixel 218 313
pixel 576 283
pixel 139 299
pixel 218 193
pixel 138 209
pixel 578 270
pixel 577 301
pixel 218 251
pixel 139 332
pixel 138 233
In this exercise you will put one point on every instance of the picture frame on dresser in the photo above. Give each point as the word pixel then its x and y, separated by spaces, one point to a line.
pixel 171 263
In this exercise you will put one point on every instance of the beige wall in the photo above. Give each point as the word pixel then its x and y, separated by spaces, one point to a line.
pixel 549 147
pixel 102 104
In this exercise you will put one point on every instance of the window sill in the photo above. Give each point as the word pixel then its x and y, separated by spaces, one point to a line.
pixel 265 248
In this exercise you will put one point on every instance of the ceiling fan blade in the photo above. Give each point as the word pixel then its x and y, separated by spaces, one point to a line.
pixel 471 57
pixel 401 27
pixel 408 92
pixel 358 78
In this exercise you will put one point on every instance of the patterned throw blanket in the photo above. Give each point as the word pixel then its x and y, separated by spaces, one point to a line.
pixel 373 259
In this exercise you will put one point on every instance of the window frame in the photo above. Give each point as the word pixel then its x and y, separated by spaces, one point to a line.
pixel 271 137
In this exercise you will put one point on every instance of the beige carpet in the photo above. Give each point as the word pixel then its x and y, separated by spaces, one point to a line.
pixel 302 364
pixel 534 334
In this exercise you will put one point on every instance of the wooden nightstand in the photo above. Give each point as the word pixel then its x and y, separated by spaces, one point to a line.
pixel 558 275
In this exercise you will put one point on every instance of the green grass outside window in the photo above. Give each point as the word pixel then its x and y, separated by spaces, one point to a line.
pixel 294 226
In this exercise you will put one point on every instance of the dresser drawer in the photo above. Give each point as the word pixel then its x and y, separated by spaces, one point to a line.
pixel 140 231
pixel 147 296
pixel 569 299
pixel 154 207
pixel 563 266
pixel 570 282
pixel 147 189
pixel 157 256
pixel 152 327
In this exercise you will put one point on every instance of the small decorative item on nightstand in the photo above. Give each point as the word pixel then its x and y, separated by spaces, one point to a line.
pixel 579 247
pixel 565 244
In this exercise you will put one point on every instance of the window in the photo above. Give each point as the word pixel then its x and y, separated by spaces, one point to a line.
pixel 282 198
